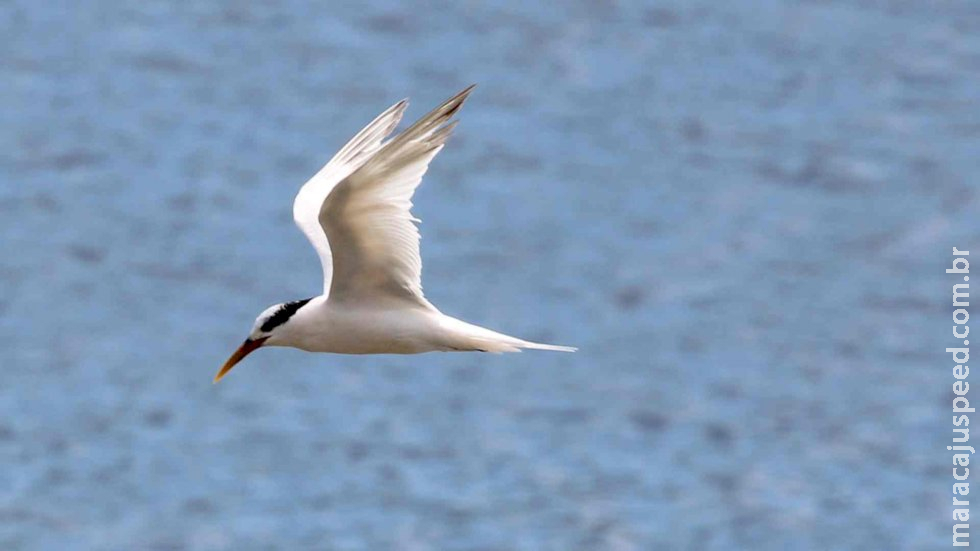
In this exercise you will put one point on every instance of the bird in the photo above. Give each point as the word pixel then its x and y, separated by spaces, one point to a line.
pixel 356 212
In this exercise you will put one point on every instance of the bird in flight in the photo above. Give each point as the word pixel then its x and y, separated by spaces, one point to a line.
pixel 356 213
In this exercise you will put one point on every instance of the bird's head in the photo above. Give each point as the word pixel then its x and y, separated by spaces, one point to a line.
pixel 266 330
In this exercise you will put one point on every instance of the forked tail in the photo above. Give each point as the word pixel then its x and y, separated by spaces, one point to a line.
pixel 554 347
pixel 466 336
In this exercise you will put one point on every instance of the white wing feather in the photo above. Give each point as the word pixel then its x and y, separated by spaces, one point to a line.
pixel 309 200
pixel 367 218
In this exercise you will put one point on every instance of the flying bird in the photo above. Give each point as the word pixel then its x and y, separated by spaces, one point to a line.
pixel 356 212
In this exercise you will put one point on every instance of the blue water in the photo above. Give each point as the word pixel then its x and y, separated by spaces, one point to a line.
pixel 739 211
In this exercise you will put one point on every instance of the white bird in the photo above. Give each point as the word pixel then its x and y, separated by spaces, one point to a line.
pixel 356 213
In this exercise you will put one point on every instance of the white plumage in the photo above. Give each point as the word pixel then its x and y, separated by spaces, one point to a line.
pixel 356 212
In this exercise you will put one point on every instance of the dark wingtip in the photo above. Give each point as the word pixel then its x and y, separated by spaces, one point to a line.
pixel 465 93
pixel 457 101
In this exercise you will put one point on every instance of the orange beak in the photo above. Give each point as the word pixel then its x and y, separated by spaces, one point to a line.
pixel 244 350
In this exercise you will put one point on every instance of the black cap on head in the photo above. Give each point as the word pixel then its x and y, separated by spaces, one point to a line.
pixel 283 314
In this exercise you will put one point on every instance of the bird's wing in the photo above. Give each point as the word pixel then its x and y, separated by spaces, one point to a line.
pixel 367 216
pixel 306 206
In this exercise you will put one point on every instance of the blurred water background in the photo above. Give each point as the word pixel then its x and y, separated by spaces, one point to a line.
pixel 739 211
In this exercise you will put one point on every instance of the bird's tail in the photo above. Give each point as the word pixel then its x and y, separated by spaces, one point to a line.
pixel 466 336
pixel 552 347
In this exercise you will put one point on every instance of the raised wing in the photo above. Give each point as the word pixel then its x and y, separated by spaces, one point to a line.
pixel 309 200
pixel 367 216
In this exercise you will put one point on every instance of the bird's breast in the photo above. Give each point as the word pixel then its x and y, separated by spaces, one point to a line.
pixel 367 331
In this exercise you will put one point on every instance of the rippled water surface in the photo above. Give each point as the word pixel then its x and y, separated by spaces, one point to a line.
pixel 739 211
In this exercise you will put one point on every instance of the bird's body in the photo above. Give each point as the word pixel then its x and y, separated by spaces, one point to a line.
pixel 356 213
pixel 407 329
